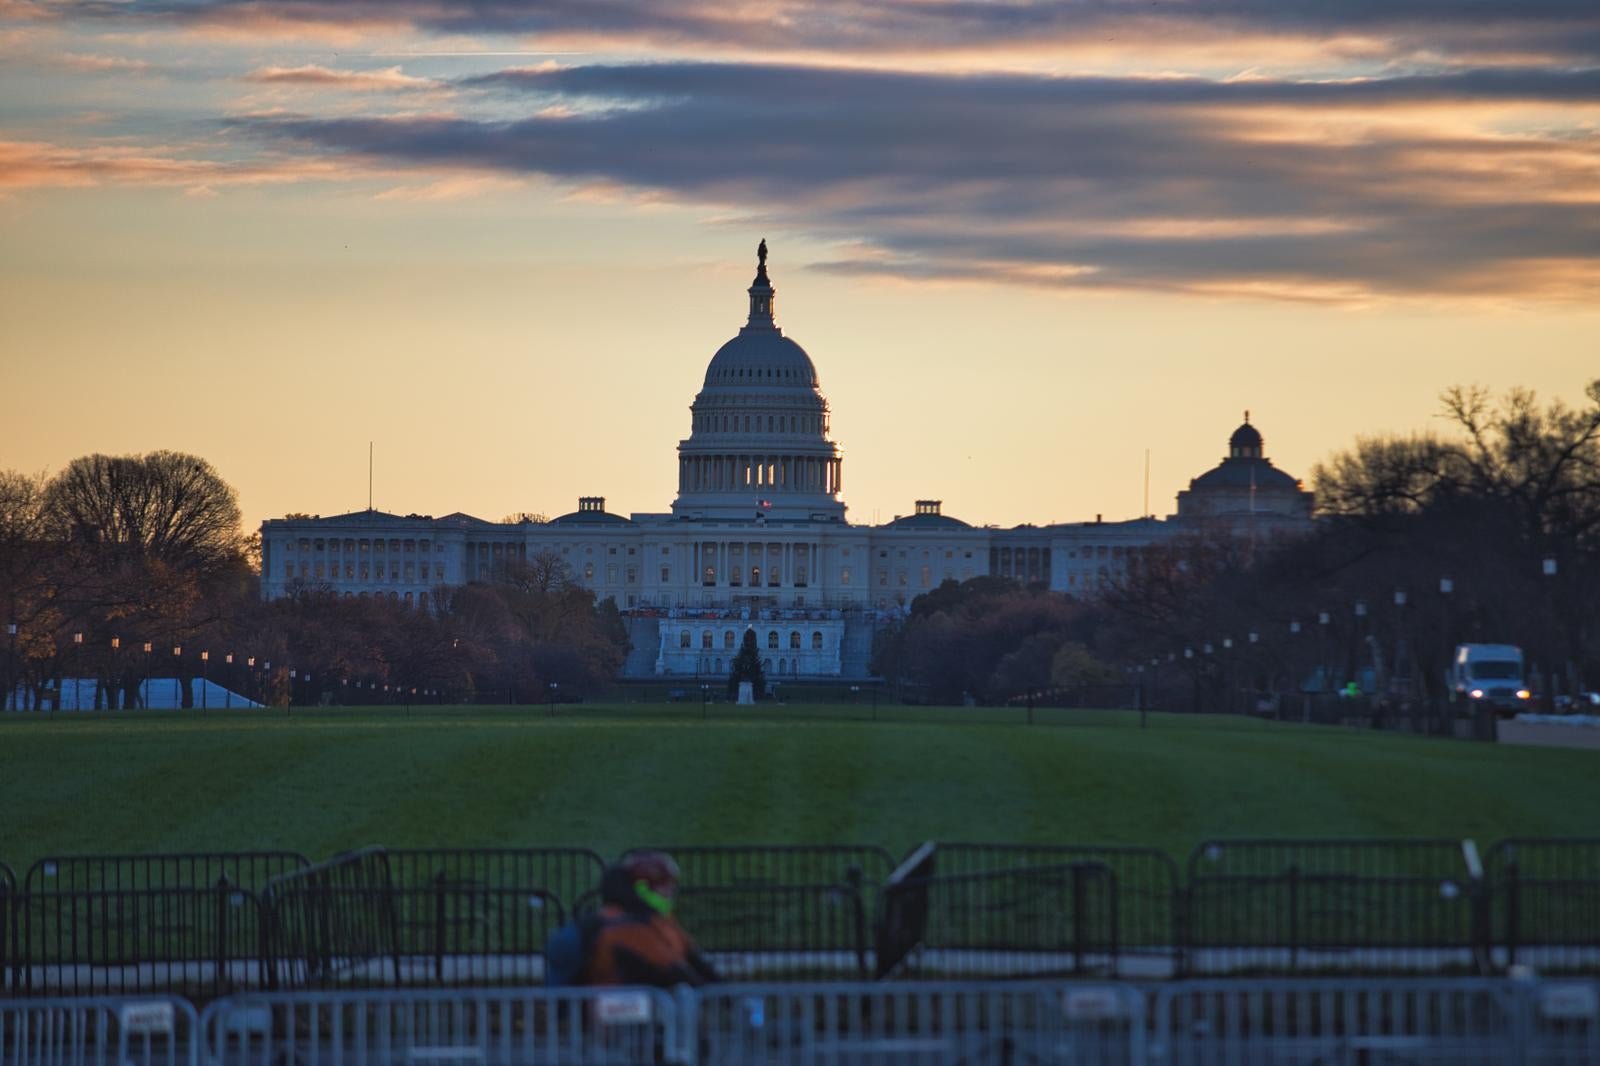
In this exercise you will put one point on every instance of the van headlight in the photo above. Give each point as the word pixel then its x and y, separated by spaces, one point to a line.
pixel 1476 693
pixel 1523 694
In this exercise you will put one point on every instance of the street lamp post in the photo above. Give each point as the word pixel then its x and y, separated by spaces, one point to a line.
pixel 1356 645
pixel 205 678
pixel 144 696
pixel 551 711
pixel 1447 719
pixel 1324 619
pixel 288 710
pixel 77 668
pixel 11 668
pixel 227 692
pixel 1547 699
pixel 705 698
pixel 114 696
pixel 177 676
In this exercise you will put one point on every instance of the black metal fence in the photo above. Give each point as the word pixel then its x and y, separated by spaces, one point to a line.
pixel 193 924
pixel 482 915
pixel 334 923
pixel 1149 893
pixel 1543 903
pixel 195 941
pixel 1295 923
pixel 773 932
pixel 8 891
pixel 1027 921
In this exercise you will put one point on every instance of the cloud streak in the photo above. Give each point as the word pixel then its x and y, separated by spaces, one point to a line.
pixel 387 79
pixel 1173 185
pixel 1550 28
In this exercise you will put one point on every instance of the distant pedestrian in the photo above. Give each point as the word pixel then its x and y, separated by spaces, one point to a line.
pixel 633 938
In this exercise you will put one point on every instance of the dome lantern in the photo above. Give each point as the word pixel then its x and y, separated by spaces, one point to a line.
pixel 761 293
pixel 1246 441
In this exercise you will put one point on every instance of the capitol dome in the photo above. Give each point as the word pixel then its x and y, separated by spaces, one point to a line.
pixel 759 444
pixel 762 356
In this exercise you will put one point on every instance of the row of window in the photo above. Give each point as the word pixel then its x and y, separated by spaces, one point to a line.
pixel 331 572
pixel 924 577
pixel 352 545
pixel 785 667
pixel 684 640
pixel 775 424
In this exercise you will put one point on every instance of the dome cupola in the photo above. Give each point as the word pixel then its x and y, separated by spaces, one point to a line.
pixel 759 445
pixel 1246 441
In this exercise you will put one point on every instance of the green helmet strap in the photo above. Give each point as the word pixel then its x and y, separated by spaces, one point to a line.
pixel 655 900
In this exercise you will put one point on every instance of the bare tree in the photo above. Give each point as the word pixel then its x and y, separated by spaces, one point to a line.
pixel 163 506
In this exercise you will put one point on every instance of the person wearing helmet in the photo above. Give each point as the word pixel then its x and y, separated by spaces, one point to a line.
pixel 633 939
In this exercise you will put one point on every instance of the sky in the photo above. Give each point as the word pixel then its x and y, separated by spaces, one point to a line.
pixel 1026 244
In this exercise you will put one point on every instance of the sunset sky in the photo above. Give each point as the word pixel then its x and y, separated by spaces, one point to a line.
pixel 1023 241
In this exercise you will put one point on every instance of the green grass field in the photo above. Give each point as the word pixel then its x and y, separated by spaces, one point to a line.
pixel 609 776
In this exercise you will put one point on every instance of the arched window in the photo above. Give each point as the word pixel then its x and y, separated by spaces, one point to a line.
pixel 727 640
pixel 719 666
pixel 683 639
pixel 766 666
pixel 816 642
pixel 794 640
pixel 772 639
pixel 783 666
pixel 705 640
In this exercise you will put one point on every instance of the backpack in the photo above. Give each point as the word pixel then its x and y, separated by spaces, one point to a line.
pixel 567 951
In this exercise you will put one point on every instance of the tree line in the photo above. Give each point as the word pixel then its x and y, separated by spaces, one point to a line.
pixel 120 569
pixel 1487 530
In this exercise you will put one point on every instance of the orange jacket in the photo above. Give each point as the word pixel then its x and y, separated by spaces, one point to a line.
pixel 632 948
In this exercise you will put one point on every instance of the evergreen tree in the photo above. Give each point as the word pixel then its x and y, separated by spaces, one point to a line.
pixel 747 667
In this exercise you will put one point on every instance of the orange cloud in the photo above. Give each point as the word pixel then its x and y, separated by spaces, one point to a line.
pixel 386 79
pixel 39 164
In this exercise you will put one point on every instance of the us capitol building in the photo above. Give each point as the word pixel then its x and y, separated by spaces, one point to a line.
pixel 757 536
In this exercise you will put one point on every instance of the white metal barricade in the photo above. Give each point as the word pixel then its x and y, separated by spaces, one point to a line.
pixel 1332 1022
pixel 447 1027
pixel 969 1022
pixel 99 1031
pixel 1561 1022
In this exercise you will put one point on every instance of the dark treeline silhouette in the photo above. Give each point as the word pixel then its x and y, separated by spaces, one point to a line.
pixel 124 568
pixel 1487 532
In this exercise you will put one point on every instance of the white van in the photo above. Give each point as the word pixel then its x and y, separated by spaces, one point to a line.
pixel 1491 674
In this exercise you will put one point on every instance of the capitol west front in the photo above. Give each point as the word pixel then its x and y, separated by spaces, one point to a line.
pixel 757 536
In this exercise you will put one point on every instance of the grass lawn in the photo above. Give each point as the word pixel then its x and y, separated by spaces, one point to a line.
pixel 608 776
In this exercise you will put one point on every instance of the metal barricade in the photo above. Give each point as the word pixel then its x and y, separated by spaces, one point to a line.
pixel 602 1027
pixel 8 890
pixel 191 941
pixel 933 1023
pixel 1031 921
pixel 778 932
pixel 1149 896
pixel 1561 1022
pixel 1295 923
pixel 155 1031
pixel 333 923
pixel 482 915
pixel 1325 1022
pixel 1543 904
